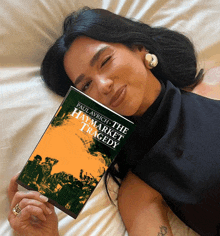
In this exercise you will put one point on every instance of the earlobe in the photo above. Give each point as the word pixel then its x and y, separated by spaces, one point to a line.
pixel 151 61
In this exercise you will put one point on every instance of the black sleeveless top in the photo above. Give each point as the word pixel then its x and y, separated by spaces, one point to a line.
pixel 175 149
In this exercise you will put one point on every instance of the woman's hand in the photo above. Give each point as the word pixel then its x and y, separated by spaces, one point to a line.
pixel 36 218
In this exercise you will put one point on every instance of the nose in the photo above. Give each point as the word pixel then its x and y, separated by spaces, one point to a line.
pixel 105 85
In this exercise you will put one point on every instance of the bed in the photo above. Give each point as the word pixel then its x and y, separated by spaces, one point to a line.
pixel 27 30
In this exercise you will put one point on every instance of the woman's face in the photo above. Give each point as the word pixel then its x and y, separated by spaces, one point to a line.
pixel 112 74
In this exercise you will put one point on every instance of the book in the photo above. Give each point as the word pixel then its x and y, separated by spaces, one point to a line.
pixel 79 144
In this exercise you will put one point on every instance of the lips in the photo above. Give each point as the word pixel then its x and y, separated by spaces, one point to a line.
pixel 118 97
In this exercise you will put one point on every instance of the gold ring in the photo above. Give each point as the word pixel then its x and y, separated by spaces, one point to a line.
pixel 16 210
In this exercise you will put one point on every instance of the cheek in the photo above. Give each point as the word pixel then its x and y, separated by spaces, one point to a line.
pixel 125 71
pixel 135 68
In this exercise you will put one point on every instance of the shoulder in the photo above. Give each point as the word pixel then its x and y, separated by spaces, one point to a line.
pixel 210 85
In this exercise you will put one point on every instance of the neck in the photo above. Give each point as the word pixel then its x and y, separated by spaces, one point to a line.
pixel 152 91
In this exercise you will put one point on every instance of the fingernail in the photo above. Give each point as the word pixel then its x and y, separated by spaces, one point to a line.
pixel 49 211
pixel 45 199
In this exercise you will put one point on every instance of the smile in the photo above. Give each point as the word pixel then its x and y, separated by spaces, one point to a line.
pixel 119 96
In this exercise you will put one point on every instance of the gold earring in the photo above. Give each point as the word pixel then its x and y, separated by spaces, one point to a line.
pixel 151 60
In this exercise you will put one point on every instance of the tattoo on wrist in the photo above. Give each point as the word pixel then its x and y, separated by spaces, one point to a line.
pixel 163 231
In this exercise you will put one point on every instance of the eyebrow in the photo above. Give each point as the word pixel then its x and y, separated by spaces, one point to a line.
pixel 92 62
pixel 95 58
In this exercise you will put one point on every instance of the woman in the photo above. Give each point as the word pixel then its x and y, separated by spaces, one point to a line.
pixel 172 157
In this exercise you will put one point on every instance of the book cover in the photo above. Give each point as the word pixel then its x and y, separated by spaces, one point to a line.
pixel 74 152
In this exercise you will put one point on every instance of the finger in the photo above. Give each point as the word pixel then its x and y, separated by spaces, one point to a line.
pixel 30 211
pixel 13 187
pixel 25 202
pixel 27 213
pixel 49 205
pixel 27 217
pixel 28 195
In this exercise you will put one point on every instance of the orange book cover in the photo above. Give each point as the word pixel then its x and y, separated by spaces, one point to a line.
pixel 74 152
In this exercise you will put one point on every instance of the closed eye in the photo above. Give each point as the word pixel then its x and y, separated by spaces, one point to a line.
pixel 105 61
pixel 86 86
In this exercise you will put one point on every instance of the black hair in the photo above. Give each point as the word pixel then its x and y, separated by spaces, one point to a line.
pixel 175 52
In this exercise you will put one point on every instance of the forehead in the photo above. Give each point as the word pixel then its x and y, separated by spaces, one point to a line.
pixel 87 43
pixel 82 46
pixel 80 52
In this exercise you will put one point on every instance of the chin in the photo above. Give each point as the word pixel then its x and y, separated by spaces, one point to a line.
pixel 129 113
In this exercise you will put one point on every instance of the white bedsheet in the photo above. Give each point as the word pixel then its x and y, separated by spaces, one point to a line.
pixel 27 29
